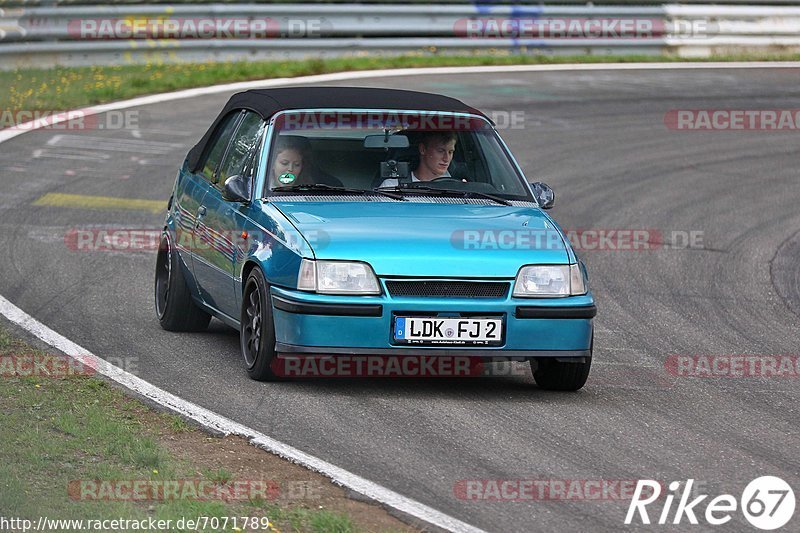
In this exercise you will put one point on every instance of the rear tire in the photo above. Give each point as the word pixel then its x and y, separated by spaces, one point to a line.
pixel 257 336
pixel 175 308
pixel 557 376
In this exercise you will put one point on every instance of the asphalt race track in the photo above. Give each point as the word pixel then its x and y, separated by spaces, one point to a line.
pixel 599 139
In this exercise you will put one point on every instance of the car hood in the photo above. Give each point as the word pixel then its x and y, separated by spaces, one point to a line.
pixel 429 239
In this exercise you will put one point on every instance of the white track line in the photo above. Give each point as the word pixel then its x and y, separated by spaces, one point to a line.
pixel 10 133
pixel 226 426
pixel 212 420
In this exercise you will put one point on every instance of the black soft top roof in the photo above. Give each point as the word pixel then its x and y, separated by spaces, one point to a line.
pixel 267 102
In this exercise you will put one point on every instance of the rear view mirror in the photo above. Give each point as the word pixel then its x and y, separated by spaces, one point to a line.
pixel 544 194
pixel 386 141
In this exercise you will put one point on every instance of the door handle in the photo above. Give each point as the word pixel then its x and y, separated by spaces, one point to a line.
pixel 201 212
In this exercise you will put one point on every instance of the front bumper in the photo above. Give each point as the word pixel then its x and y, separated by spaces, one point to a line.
pixel 314 324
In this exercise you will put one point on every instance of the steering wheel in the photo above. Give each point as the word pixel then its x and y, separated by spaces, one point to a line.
pixel 447 178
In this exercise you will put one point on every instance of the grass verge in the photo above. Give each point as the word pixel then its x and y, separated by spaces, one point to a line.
pixel 65 88
pixel 72 447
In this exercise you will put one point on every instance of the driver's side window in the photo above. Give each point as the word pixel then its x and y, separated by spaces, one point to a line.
pixel 241 156
pixel 221 138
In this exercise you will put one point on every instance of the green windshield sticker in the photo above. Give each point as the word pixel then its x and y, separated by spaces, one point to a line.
pixel 286 178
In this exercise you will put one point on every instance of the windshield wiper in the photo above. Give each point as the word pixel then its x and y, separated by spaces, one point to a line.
pixel 322 187
pixel 441 192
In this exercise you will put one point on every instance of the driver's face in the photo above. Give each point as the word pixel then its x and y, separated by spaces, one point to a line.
pixel 289 160
pixel 436 156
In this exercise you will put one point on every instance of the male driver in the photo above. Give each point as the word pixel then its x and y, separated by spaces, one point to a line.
pixel 435 154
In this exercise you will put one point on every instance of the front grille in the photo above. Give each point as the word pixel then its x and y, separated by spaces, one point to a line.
pixel 448 289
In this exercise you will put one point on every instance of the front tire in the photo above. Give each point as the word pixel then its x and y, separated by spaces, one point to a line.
pixel 175 308
pixel 257 337
pixel 559 376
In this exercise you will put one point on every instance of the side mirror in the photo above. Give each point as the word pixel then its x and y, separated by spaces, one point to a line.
pixel 543 194
pixel 236 189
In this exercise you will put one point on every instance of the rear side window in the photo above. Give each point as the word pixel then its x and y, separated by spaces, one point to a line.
pixel 221 138
pixel 243 145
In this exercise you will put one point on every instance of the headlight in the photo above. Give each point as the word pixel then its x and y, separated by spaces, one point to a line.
pixel 337 277
pixel 547 281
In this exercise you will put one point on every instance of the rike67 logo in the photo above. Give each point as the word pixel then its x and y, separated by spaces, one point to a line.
pixel 767 502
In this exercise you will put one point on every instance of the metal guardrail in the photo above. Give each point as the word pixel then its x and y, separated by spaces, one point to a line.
pixel 115 34
pixel 350 20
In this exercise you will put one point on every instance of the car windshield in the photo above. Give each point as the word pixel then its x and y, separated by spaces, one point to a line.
pixel 402 153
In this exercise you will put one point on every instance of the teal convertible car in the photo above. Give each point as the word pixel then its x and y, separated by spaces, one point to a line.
pixel 337 222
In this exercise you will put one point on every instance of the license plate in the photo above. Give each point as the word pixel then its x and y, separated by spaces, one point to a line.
pixel 448 330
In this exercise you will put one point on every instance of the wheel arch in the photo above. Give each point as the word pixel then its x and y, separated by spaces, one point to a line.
pixel 248 267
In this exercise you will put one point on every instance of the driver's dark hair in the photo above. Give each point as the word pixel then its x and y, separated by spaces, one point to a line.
pixel 441 137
